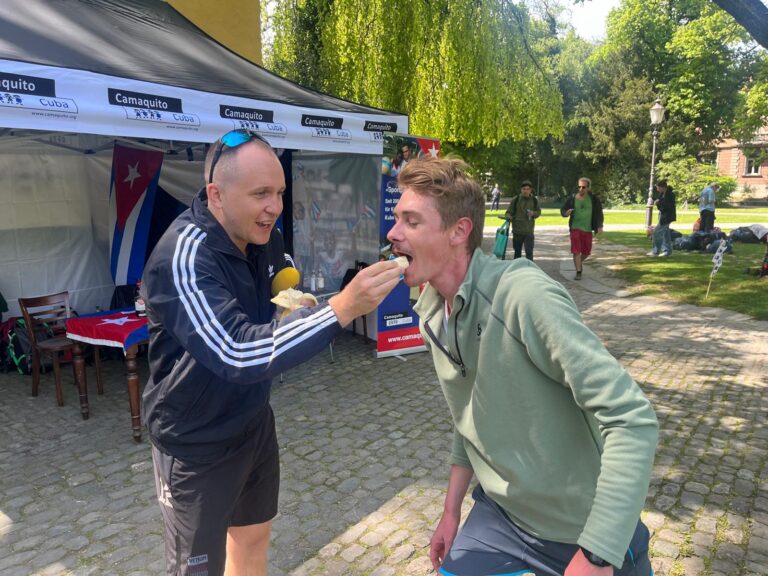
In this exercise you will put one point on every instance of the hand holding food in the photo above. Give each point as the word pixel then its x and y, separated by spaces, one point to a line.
pixel 291 299
pixel 366 290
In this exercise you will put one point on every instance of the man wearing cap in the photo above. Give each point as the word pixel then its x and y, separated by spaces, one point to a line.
pixel 214 348
pixel 522 213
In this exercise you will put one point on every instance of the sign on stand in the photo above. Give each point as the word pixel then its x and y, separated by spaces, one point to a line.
pixel 397 323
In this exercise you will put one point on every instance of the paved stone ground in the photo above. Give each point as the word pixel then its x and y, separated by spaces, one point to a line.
pixel 364 445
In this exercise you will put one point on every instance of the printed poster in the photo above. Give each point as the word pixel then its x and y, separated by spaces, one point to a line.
pixel 397 323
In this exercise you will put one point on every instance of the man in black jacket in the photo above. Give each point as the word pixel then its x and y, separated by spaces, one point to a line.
pixel 665 202
pixel 214 348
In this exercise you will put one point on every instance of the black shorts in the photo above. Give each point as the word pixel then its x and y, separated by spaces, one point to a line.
pixel 201 500
pixel 490 543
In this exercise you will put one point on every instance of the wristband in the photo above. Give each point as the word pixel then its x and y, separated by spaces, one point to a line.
pixel 594 558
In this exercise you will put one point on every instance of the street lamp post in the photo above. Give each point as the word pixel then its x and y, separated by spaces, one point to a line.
pixel 657 117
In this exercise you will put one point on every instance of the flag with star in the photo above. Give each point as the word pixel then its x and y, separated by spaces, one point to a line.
pixel 119 329
pixel 135 173
pixel 428 147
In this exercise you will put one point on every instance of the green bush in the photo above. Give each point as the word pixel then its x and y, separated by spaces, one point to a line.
pixel 620 185
pixel 688 176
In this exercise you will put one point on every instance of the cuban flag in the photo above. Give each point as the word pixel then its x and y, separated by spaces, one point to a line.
pixel 428 146
pixel 135 173
pixel 315 211
pixel 368 211
pixel 120 329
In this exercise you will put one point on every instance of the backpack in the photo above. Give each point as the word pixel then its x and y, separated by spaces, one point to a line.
pixel 5 359
pixel 19 347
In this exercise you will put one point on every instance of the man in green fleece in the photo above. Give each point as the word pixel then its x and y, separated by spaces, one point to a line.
pixel 560 437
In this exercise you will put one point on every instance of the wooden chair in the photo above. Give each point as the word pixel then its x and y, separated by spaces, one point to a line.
pixel 48 315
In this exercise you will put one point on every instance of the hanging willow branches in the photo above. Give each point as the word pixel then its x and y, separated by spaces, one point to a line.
pixel 470 71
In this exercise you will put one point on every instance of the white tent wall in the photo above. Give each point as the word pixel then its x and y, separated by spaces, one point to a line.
pixel 55 221
pixel 338 195
pixel 47 241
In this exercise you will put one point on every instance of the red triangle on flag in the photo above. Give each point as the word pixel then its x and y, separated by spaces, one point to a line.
pixel 132 169
pixel 428 147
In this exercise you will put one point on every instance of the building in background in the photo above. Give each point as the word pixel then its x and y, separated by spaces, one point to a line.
pixel 235 24
pixel 748 164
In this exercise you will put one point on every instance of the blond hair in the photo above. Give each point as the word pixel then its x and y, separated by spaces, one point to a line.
pixel 456 194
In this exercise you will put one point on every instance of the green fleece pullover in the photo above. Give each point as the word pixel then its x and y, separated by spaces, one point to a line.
pixel 556 431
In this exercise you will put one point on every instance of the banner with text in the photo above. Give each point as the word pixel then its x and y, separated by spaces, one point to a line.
pixel 35 96
pixel 397 323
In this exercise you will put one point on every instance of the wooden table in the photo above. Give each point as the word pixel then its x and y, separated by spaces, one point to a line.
pixel 118 329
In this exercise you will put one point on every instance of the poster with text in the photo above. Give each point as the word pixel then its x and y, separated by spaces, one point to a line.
pixel 397 323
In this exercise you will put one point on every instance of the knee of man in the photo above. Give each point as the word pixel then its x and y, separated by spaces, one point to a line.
pixel 251 536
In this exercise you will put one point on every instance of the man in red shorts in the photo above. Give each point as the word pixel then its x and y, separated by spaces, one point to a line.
pixel 585 216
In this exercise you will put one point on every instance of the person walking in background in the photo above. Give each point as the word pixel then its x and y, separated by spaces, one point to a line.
pixel 707 207
pixel 495 197
pixel 585 217
pixel 559 436
pixel 522 213
pixel 214 347
pixel 665 202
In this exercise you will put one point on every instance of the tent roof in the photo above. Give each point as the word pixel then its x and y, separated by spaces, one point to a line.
pixel 143 40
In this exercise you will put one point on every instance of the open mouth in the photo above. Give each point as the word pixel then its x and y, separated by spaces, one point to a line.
pixel 397 252
pixel 265 224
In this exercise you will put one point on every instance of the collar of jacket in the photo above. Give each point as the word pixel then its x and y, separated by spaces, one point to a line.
pixel 431 301
pixel 216 237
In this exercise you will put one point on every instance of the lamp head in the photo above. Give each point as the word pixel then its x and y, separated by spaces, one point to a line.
pixel 657 112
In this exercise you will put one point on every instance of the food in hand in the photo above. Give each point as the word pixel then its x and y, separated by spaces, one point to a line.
pixel 290 299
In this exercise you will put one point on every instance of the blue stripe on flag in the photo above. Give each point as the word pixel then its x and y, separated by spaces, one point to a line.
pixel 117 241
pixel 141 233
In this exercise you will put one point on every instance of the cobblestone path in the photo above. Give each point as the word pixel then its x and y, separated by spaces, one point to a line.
pixel 364 445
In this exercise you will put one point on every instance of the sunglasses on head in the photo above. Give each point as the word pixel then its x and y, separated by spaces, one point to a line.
pixel 233 139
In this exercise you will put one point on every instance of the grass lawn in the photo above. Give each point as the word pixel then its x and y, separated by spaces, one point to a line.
pixel 684 223
pixel 684 276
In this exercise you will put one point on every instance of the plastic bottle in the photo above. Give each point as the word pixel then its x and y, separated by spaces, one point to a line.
pixel 313 282
pixel 320 282
pixel 138 302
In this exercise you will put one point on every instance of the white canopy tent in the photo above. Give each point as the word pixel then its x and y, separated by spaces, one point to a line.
pixel 78 75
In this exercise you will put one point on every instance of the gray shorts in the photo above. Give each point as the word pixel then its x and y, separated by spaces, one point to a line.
pixel 201 500
pixel 489 543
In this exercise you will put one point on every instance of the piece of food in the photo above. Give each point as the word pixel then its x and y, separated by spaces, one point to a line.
pixel 310 297
pixel 291 299
pixel 402 261
pixel 288 298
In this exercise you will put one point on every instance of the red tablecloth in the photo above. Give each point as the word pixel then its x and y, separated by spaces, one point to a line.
pixel 118 328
